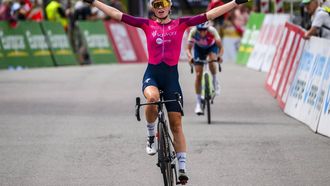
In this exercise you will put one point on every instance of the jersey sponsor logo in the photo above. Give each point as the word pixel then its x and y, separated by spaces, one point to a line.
pixel 160 41
pixel 166 34
pixel 154 33
pixel 147 80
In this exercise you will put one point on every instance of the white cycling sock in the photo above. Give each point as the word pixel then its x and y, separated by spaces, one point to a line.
pixel 181 156
pixel 214 76
pixel 151 128
pixel 199 98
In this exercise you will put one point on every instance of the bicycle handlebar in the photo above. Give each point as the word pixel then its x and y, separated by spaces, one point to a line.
pixel 138 104
pixel 205 62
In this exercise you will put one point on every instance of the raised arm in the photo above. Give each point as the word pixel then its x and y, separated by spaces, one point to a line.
pixel 220 10
pixel 110 11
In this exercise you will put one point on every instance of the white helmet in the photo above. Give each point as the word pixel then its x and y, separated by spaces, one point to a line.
pixel 150 2
pixel 203 26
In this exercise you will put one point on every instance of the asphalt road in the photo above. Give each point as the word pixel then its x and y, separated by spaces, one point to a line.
pixel 76 126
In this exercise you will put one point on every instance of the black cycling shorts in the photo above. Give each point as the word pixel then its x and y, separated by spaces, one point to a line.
pixel 166 79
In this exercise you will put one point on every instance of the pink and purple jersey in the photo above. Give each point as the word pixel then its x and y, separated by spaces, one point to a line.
pixel 164 40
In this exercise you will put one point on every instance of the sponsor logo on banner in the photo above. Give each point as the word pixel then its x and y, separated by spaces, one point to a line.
pixel 38 44
pixel 326 110
pixel 15 45
pixel 324 123
pixel 310 87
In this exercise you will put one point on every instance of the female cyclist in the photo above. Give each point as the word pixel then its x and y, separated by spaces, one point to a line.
pixel 164 38
pixel 206 42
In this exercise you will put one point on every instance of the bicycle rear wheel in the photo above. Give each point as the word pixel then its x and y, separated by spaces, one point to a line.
pixel 164 156
pixel 207 98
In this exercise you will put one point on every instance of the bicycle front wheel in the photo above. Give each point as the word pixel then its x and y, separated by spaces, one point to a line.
pixel 164 155
pixel 207 98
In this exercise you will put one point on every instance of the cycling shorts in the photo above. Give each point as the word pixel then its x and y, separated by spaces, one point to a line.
pixel 201 53
pixel 166 79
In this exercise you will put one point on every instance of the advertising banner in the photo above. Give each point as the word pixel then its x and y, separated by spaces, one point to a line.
pixel 279 52
pixel 24 46
pixel 97 42
pixel 137 37
pixel 273 40
pixel 294 102
pixel 269 38
pixel 250 37
pixel 308 91
pixel 122 43
pixel 324 124
pixel 259 51
pixel 290 70
pixel 2 55
pixel 291 44
pixel 286 54
pixel 58 41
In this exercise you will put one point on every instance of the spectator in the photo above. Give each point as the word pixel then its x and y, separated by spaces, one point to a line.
pixel 21 9
pixel 5 10
pixel 55 12
pixel 98 14
pixel 82 12
pixel 36 12
pixel 233 26
pixel 117 5
pixel 218 22
pixel 320 19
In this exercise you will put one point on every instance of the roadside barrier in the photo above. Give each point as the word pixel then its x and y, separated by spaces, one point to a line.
pixel 96 39
pixel 24 46
pixel 122 42
pixel 250 37
pixel 284 63
pixel 310 87
pixel 298 71
pixel 59 45
pixel 268 40
pixel 33 44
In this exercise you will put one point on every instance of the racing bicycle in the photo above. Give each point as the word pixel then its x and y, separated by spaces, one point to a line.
pixel 166 153
pixel 208 91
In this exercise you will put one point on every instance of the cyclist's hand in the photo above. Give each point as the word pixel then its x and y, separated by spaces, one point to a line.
pixel 191 61
pixel 241 1
pixel 220 60
pixel 89 1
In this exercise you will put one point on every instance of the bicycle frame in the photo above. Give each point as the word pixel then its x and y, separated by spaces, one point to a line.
pixel 166 152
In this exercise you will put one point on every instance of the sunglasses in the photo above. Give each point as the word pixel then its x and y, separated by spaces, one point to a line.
pixel 161 4
pixel 201 29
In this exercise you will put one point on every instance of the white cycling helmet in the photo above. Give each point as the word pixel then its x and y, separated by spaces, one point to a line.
pixel 203 26
pixel 150 2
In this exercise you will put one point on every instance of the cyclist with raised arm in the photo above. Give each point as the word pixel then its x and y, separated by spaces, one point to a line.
pixel 206 42
pixel 164 38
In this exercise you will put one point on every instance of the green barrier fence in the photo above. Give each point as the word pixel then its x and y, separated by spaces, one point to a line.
pixel 25 46
pixel 96 39
pixel 247 43
pixel 59 44
pixel 2 55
